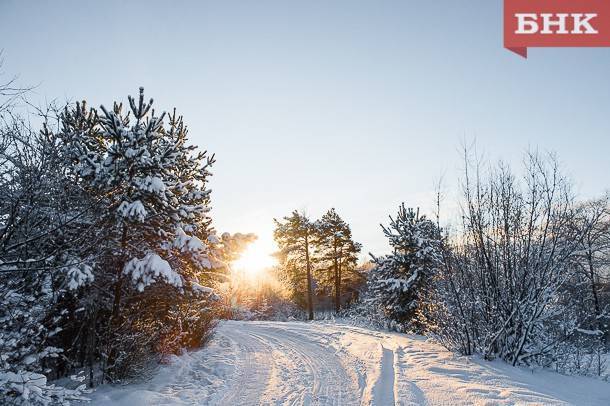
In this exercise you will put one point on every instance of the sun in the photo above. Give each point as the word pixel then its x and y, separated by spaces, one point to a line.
pixel 257 258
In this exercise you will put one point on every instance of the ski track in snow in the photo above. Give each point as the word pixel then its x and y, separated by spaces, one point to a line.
pixel 294 363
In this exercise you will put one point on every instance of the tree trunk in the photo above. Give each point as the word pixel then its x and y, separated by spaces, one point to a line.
pixel 337 280
pixel 597 308
pixel 309 282
pixel 91 343
pixel 118 285
pixel 113 322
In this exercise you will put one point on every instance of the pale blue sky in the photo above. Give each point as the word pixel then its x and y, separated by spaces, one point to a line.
pixel 313 104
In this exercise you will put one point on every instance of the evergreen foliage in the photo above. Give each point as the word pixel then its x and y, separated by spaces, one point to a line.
pixel 321 255
pixel 399 280
pixel 337 254
pixel 107 254
pixel 295 238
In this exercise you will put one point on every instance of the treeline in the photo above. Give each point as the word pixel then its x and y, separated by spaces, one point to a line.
pixel 318 259
pixel 523 277
pixel 107 252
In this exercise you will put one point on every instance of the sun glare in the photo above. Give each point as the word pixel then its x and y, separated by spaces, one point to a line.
pixel 257 257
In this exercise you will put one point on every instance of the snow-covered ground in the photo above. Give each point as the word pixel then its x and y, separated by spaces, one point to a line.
pixel 274 363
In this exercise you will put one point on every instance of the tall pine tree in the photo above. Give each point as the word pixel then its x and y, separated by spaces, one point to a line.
pixel 337 251
pixel 295 237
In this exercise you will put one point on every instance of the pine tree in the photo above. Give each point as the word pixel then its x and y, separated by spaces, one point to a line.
pixel 153 187
pixel 399 279
pixel 150 189
pixel 295 237
pixel 337 251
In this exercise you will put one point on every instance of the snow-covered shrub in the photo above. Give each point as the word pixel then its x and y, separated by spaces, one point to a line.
pixel 263 303
pixel 43 260
pixel 188 324
pixel 367 312
pixel 507 285
pixel 30 388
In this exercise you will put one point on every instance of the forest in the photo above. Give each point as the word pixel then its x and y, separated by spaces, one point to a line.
pixel 110 262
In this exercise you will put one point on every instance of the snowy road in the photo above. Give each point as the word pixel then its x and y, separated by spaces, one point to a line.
pixel 272 363
pixel 286 367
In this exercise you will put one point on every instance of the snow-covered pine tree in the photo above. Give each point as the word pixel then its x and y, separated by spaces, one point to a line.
pixel 295 237
pixel 398 281
pixel 337 252
pixel 153 186
pixel 151 191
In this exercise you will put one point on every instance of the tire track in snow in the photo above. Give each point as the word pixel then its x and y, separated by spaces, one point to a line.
pixel 320 376
pixel 279 367
pixel 282 388
pixel 252 372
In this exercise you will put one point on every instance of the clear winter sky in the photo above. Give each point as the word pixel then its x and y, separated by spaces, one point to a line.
pixel 313 104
